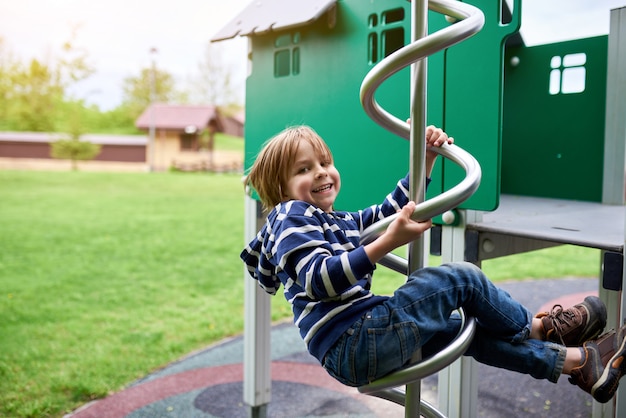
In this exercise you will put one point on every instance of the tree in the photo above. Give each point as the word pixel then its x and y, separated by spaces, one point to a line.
pixel 35 94
pixel 73 148
pixel 6 62
pixel 32 93
pixel 137 91
pixel 214 84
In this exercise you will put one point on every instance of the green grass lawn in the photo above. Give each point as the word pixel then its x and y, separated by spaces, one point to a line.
pixel 225 142
pixel 105 277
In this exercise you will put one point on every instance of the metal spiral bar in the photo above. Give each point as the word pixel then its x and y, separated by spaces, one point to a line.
pixel 427 366
pixel 471 20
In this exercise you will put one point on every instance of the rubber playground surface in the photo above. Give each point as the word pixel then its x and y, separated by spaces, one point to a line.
pixel 209 383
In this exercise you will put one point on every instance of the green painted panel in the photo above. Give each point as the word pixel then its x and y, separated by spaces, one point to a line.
pixel 325 95
pixel 554 142
pixel 464 95
pixel 471 95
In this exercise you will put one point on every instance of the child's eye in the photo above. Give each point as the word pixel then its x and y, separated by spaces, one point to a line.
pixel 303 170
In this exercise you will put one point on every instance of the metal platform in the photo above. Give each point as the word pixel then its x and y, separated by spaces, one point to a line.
pixel 526 223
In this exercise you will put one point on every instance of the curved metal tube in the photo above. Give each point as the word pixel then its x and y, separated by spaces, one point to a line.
pixel 398 396
pixel 472 20
pixel 427 366
pixel 445 201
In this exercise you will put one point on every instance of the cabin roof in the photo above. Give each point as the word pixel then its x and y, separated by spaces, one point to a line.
pixel 263 16
pixel 177 117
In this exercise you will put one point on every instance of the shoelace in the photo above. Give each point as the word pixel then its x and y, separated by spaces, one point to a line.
pixel 561 318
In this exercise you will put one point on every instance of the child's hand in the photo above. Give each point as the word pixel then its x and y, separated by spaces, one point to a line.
pixel 401 231
pixel 436 137
pixel 404 229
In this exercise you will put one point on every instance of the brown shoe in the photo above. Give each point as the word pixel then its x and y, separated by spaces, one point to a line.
pixel 603 365
pixel 572 327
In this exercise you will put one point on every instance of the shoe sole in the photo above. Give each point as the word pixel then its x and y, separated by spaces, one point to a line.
pixel 594 304
pixel 606 386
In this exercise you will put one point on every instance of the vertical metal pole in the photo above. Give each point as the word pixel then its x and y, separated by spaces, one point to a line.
pixel 613 177
pixel 257 321
pixel 419 29
pixel 458 389
pixel 152 141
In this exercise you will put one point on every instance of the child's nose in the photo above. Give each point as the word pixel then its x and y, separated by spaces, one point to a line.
pixel 321 171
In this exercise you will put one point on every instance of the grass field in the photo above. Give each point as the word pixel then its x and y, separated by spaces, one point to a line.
pixel 105 277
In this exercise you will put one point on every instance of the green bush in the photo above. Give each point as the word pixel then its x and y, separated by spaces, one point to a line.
pixel 74 150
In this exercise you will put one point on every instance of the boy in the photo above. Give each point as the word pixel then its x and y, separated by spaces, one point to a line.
pixel 358 337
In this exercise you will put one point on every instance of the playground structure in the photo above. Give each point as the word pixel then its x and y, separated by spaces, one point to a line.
pixel 492 93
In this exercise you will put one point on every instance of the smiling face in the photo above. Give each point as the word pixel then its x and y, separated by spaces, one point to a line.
pixel 313 178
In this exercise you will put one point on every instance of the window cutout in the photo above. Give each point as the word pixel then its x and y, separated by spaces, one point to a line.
pixel 382 43
pixel 568 74
pixel 282 63
pixel 295 64
pixel 393 40
pixel 287 58
pixel 282 41
pixel 555 81
pixel 372 48
pixel 372 20
pixel 574 60
pixel 506 12
pixel 573 80
pixel 392 16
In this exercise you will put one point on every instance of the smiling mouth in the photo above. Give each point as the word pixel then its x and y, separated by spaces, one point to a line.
pixel 323 188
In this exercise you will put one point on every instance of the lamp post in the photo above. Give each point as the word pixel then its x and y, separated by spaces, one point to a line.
pixel 152 141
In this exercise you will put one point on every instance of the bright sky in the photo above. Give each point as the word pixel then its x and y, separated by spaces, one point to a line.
pixel 118 34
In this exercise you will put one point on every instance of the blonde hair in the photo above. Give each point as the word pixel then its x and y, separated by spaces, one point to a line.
pixel 269 174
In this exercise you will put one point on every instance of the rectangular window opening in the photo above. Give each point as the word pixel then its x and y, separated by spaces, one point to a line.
pixel 282 63
pixel 296 61
pixel 392 16
pixel 372 48
pixel 393 39
pixel 188 142
pixel 573 80
pixel 282 41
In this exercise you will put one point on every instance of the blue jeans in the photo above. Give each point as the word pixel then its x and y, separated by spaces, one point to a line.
pixel 418 315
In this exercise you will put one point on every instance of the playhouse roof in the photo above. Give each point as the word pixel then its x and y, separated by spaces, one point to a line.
pixel 177 117
pixel 262 16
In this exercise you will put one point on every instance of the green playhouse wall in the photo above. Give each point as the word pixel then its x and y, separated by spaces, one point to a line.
pixel 312 75
pixel 554 142
pixel 324 93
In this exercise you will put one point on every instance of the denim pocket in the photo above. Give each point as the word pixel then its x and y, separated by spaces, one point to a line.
pixel 390 347
pixel 339 360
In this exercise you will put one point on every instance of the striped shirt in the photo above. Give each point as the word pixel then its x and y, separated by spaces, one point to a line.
pixel 317 257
